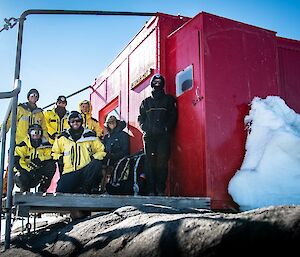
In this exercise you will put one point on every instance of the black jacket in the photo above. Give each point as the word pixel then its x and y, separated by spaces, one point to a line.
pixel 158 114
pixel 116 143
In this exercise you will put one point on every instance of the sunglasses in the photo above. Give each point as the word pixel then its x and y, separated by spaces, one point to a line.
pixel 35 132
pixel 75 120
pixel 33 95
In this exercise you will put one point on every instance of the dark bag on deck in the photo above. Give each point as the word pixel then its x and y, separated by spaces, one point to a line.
pixel 128 177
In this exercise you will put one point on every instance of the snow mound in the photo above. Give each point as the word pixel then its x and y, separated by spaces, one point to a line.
pixel 270 172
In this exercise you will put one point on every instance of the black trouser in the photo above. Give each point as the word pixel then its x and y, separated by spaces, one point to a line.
pixel 43 176
pixel 157 150
pixel 84 180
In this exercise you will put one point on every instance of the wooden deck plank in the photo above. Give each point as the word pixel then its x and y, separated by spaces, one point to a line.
pixel 31 202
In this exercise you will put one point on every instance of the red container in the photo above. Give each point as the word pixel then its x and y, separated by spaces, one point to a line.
pixel 214 66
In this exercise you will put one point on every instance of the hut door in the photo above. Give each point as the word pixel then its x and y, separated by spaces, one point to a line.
pixel 187 174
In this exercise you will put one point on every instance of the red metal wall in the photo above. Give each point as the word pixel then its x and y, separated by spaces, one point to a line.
pixel 289 63
pixel 239 64
pixel 187 171
pixel 232 63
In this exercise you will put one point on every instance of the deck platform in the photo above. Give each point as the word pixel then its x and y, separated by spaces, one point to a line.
pixel 38 202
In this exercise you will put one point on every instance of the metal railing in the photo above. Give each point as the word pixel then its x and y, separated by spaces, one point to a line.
pixel 12 115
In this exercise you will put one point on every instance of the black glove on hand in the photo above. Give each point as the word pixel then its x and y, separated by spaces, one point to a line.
pixel 35 163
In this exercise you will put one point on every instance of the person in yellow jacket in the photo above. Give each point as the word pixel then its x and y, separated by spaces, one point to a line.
pixel 33 163
pixel 89 122
pixel 81 153
pixel 57 118
pixel 27 114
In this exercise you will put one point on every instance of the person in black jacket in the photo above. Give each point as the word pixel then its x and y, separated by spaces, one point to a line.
pixel 158 117
pixel 116 141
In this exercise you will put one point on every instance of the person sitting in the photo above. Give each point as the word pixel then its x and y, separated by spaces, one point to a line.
pixel 116 143
pixel 33 163
pixel 80 152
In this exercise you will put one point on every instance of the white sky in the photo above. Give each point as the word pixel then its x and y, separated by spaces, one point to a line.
pixel 270 172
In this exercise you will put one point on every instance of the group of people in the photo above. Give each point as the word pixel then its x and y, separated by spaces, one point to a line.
pixel 76 142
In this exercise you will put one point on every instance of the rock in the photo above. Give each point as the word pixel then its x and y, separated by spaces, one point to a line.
pixel 161 231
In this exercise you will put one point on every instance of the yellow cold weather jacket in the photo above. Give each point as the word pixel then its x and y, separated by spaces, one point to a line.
pixel 25 118
pixel 77 155
pixel 25 153
pixel 54 124
pixel 89 122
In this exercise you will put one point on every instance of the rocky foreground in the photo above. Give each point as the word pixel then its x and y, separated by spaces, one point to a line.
pixel 160 231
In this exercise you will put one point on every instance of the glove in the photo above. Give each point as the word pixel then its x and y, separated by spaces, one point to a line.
pixel 35 163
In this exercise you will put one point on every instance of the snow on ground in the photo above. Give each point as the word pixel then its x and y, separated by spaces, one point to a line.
pixel 270 172
pixel 19 225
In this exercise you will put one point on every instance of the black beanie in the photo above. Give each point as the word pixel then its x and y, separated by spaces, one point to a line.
pixel 73 115
pixel 33 91
pixel 158 76
pixel 61 98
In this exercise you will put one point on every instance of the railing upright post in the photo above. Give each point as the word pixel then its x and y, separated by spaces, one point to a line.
pixel 10 167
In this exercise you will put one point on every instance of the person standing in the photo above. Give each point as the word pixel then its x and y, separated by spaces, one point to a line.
pixel 57 118
pixel 157 118
pixel 89 122
pixel 81 152
pixel 27 114
pixel 33 163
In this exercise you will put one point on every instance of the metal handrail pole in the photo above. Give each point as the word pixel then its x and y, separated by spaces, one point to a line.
pixel 3 95
pixel 3 150
pixel 10 94
pixel 11 165
pixel 75 93
pixel 3 142
pixel 87 12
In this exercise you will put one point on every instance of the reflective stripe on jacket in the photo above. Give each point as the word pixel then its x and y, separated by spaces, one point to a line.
pixel 158 116
pixel 54 124
pixel 77 155
pixel 25 118
pixel 25 152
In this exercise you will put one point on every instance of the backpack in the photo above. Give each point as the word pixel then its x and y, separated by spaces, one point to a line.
pixel 128 177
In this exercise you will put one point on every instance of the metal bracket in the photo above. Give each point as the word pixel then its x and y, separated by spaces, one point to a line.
pixel 9 23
